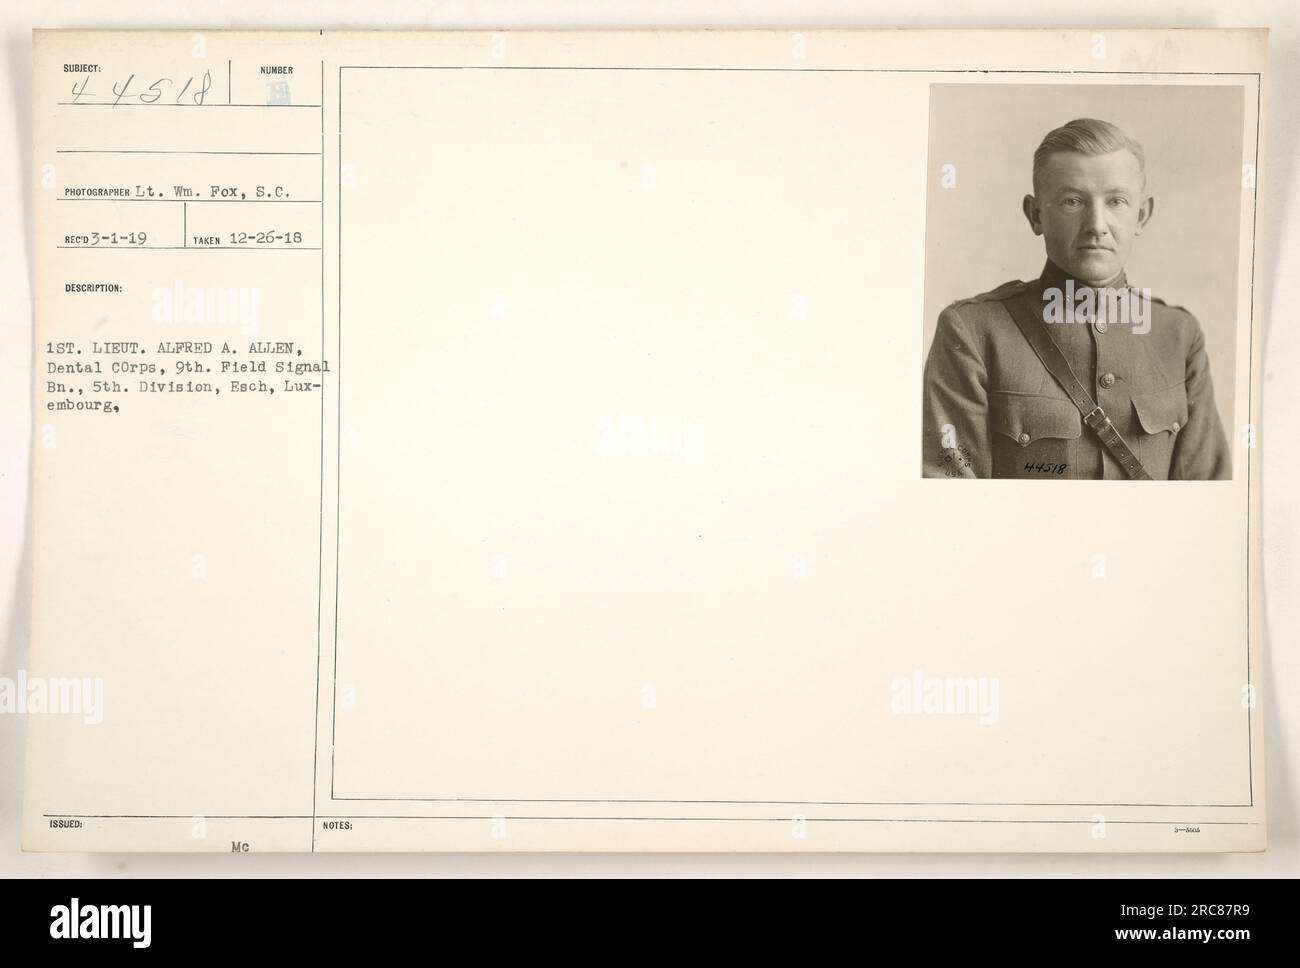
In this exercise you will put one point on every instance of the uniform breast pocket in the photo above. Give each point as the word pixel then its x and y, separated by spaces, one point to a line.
pixel 1161 414
pixel 1034 436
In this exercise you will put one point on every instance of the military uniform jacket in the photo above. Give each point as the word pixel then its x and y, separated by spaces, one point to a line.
pixel 991 408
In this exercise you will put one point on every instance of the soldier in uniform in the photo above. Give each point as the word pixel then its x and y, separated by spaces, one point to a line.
pixel 1076 375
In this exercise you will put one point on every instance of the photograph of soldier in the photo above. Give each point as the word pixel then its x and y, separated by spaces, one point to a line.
pixel 1079 373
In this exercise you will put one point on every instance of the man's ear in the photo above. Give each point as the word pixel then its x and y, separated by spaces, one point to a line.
pixel 1030 207
pixel 1144 213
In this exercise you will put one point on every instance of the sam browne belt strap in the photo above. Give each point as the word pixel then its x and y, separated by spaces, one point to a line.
pixel 1040 340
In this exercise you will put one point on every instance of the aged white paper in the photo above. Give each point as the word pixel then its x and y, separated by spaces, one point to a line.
pixel 513 441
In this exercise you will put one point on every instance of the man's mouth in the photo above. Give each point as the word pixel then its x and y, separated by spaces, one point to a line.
pixel 1096 248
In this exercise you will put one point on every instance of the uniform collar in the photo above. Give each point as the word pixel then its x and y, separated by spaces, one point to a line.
pixel 1053 276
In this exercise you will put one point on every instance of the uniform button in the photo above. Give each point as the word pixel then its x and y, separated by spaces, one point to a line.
pixel 1108 380
pixel 1024 440
pixel 1100 326
pixel 1175 428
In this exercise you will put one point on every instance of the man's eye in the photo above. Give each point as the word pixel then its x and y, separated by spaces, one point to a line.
pixel 1117 202
pixel 1070 202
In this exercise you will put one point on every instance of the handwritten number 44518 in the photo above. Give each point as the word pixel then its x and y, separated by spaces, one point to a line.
pixel 195 88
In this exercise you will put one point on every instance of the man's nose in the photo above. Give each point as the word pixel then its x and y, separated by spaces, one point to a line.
pixel 1096 219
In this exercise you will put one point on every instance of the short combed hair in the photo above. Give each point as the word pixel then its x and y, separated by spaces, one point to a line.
pixel 1088 136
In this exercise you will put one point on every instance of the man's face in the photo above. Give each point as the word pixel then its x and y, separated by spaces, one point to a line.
pixel 1089 209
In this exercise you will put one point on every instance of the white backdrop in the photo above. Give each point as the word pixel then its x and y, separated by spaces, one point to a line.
pixel 1282 604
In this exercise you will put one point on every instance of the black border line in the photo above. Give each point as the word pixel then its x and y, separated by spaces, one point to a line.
pixel 405 816
pixel 338 438
pixel 1250 422
pixel 338 461
pixel 320 527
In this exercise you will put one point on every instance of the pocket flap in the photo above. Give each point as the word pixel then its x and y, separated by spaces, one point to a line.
pixel 1026 418
pixel 1162 410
